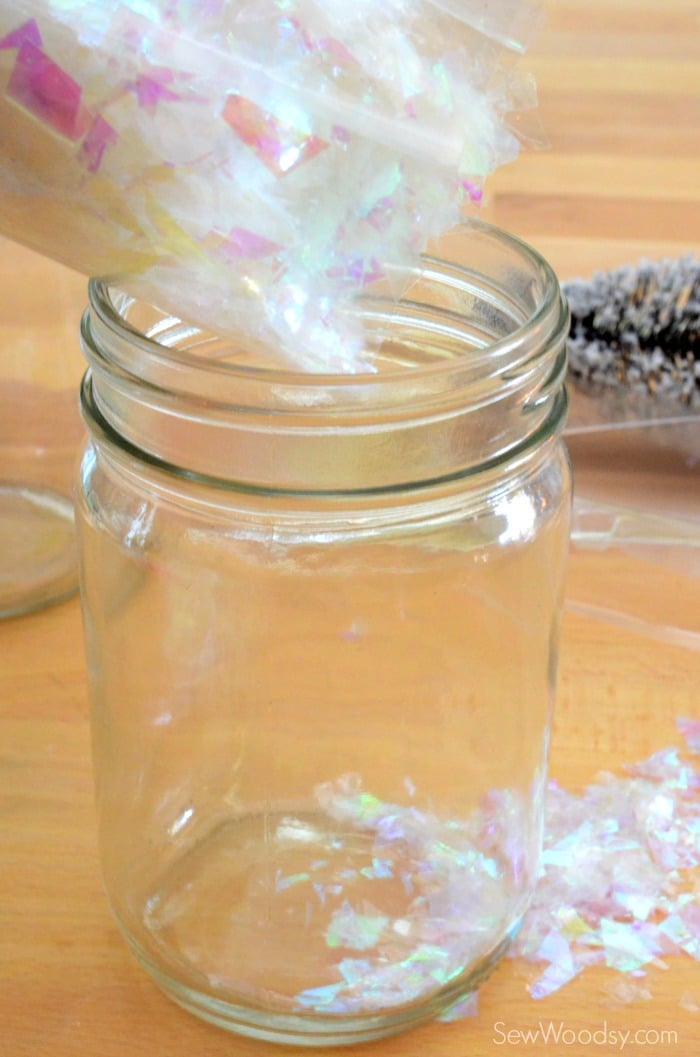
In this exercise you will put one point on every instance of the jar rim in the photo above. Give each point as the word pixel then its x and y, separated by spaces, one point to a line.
pixel 476 365
pixel 110 326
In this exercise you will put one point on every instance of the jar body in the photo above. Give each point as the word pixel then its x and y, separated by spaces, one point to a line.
pixel 321 758
pixel 320 727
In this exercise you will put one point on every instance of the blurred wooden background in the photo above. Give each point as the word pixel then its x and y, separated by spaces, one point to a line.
pixel 619 91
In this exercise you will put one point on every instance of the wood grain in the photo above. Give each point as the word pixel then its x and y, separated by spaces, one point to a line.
pixel 619 92
pixel 619 84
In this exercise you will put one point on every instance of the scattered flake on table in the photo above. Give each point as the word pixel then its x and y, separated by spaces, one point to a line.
pixel 619 873
pixel 625 991
pixel 687 1001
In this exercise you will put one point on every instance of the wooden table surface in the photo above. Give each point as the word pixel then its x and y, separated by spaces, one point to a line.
pixel 619 85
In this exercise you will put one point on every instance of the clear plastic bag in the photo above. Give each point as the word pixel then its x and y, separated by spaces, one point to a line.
pixel 635 541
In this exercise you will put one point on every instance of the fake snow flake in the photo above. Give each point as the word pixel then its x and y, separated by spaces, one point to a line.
pixel 623 992
pixel 27 33
pixel 247 244
pixel 619 879
pixel 687 1002
pixel 466 1007
pixel 282 883
pixel 152 88
pixel 100 136
pixel 279 146
pixel 358 931
pixel 47 91
pixel 690 729
pixel 347 134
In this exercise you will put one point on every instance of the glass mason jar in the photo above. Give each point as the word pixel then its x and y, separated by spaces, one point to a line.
pixel 322 615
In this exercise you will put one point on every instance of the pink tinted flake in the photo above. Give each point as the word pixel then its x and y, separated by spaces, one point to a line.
pixel 341 135
pixel 44 89
pixel 27 33
pixel 381 215
pixel 337 51
pixel 475 192
pixel 100 136
pixel 690 729
pixel 359 271
pixel 152 88
pixel 279 146
pixel 244 243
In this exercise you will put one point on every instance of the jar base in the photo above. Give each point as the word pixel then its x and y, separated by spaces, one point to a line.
pixel 316 1031
pixel 302 925
pixel 38 557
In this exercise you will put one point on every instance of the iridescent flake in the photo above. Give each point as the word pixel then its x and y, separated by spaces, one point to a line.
pixel 690 729
pixel 100 136
pixel 688 1003
pixel 473 190
pixel 43 88
pixel 282 882
pixel 357 930
pixel 380 868
pixel 152 88
pixel 391 86
pixel 619 873
pixel 358 272
pixel 354 970
pixel 466 1007
pixel 337 52
pixel 320 999
pixel 27 33
pixel 244 243
pixel 622 992
pixel 450 901
pixel 279 146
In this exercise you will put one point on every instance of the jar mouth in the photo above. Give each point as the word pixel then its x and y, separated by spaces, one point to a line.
pixel 467 368
pixel 453 318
